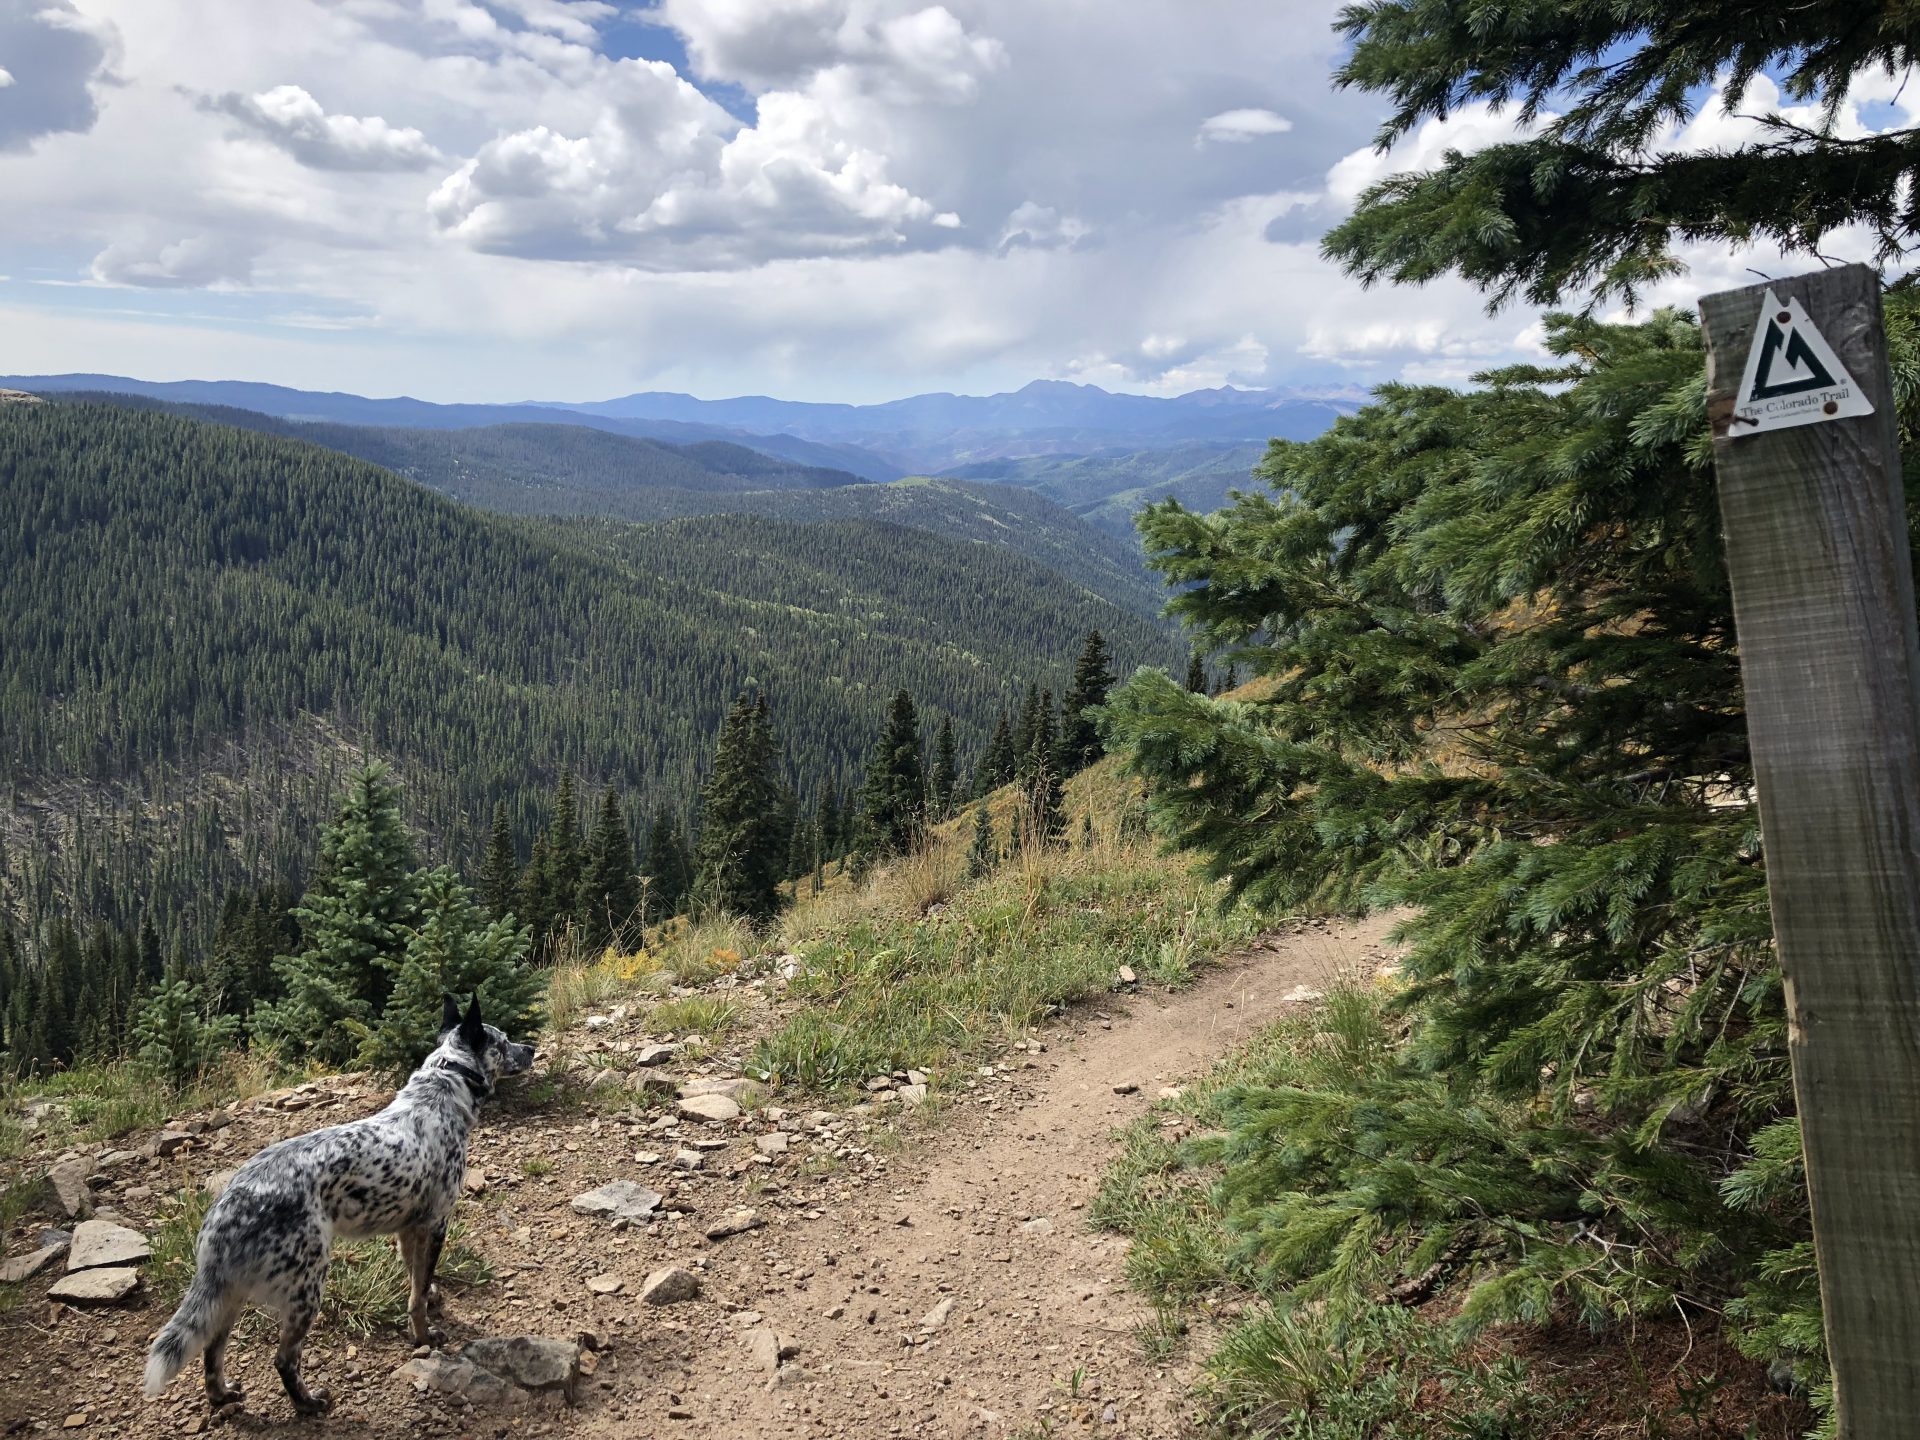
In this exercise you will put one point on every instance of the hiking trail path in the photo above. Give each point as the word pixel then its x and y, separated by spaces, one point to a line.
pixel 944 1285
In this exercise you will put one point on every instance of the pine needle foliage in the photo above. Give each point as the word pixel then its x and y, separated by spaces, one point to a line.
pixel 1597 185
pixel 1500 688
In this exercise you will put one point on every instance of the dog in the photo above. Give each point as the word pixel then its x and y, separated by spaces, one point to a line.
pixel 269 1236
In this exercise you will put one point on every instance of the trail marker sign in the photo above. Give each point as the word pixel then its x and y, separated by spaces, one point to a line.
pixel 1792 375
pixel 1815 518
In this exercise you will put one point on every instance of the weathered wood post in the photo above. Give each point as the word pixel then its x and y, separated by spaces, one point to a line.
pixel 1807 450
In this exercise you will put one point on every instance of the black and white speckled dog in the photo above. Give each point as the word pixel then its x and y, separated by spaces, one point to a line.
pixel 268 1237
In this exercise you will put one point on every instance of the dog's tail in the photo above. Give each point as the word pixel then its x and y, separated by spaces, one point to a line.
pixel 203 1310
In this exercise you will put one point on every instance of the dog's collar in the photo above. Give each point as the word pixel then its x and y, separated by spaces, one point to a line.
pixel 476 1080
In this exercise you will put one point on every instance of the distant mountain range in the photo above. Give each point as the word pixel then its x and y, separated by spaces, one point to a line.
pixel 923 434
pixel 933 433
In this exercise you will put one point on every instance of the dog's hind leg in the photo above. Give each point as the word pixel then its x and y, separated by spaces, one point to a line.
pixel 296 1318
pixel 219 1390
pixel 420 1249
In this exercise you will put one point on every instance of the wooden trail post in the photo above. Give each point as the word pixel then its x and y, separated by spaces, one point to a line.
pixel 1816 536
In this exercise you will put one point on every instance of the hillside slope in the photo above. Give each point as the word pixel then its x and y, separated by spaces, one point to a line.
pixel 1108 490
pixel 171 587
pixel 571 470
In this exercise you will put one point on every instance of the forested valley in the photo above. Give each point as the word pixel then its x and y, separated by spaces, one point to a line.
pixel 213 630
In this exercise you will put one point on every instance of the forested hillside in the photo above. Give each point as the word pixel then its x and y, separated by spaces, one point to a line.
pixel 202 621
pixel 526 469
pixel 1109 490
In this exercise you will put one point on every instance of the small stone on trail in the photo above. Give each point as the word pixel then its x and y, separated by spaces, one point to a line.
pixel 619 1200
pixel 763 1350
pixel 605 1284
pixel 1127 977
pixel 736 1222
pixel 670 1286
pixel 533 1362
pixel 53 1244
pixel 100 1243
pixel 655 1054
pixel 1127 1088
pixel 912 1095
pixel 64 1191
pixel 474 1181
pixel 937 1316
pixel 95 1287
pixel 741 1091
pixel 1038 1225
pixel 687 1159
pixel 774 1144
pixel 716 1108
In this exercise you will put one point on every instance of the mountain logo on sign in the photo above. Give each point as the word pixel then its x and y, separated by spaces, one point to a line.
pixel 1803 367
pixel 1792 375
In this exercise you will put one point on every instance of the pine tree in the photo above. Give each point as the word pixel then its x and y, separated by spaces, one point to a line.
pixel 1528 731
pixel 738 856
pixel 802 848
pixel 997 764
pixel 609 903
pixel 1196 674
pixel 1230 681
pixel 829 824
pixel 893 798
pixel 565 859
pixel 1024 729
pixel 1593 197
pixel 667 872
pixel 985 852
pixel 452 949
pixel 1040 774
pixel 943 779
pixel 153 960
pixel 176 1037
pixel 1092 678
pixel 500 871
pixel 535 908
pixel 353 927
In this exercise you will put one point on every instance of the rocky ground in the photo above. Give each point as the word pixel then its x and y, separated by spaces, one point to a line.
pixel 678 1252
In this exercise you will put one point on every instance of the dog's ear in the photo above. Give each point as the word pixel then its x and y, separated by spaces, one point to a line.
pixel 449 1013
pixel 471 1030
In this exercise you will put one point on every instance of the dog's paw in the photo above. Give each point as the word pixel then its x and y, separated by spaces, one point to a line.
pixel 436 1337
pixel 317 1403
pixel 228 1409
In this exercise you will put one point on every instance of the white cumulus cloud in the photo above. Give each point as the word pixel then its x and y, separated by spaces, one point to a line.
pixel 292 119
pixel 1237 127
pixel 195 262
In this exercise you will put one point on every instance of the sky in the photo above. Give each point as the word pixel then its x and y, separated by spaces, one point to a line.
pixel 852 200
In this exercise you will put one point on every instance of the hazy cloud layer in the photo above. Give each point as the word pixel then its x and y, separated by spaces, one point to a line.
pixel 290 118
pixel 826 198
pixel 50 62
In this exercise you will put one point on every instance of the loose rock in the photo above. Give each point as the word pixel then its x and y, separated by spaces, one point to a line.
pixel 715 1108
pixel 100 1243
pixel 64 1192
pixel 670 1286
pixel 95 1287
pixel 533 1362
pixel 619 1200
pixel 737 1222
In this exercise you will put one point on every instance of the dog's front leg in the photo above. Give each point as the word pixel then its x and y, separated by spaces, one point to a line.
pixel 420 1249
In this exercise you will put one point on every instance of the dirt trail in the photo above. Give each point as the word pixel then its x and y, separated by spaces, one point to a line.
pixel 860 1241
pixel 995 1204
